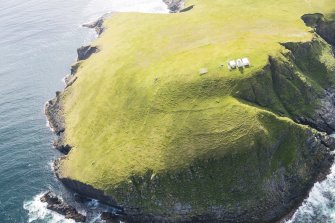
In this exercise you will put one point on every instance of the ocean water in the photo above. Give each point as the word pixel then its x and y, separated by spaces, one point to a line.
pixel 38 41
pixel 319 207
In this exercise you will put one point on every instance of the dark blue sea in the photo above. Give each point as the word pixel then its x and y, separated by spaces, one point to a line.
pixel 38 41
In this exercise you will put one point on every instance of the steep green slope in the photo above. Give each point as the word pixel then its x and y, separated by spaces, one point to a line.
pixel 151 132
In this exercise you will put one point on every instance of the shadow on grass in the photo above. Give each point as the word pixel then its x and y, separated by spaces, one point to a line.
pixel 187 8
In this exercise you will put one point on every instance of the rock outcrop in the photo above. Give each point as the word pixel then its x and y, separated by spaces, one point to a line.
pixel 98 24
pixel 84 189
pixel 324 27
pixel 174 5
pixel 53 108
pixel 58 205
pixel 53 112
pixel 110 217
pixel 85 52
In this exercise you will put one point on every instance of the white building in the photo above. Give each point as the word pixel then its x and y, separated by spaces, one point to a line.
pixel 245 62
pixel 239 63
pixel 231 64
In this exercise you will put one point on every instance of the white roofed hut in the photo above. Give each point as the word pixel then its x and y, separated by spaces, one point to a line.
pixel 231 64
pixel 239 63
pixel 246 62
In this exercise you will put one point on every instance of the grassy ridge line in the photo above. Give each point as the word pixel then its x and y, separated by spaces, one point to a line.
pixel 140 104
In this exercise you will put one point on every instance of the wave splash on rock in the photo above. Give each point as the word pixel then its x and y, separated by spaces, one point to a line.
pixel 37 211
pixel 319 206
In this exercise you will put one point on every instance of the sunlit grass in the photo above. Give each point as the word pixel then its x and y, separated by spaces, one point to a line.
pixel 141 104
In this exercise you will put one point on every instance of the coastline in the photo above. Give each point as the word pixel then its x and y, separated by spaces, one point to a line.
pixel 55 119
pixel 54 114
pixel 52 108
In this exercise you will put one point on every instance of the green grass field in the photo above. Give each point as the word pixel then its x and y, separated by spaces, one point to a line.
pixel 140 104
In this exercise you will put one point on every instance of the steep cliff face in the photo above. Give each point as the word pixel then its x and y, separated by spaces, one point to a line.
pixel 275 175
pixel 299 84
pixel 166 145
pixel 324 26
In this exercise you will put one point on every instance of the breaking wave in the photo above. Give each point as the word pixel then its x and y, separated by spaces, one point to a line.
pixel 97 8
pixel 38 212
pixel 320 204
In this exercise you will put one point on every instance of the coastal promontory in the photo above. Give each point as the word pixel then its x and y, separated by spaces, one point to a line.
pixel 153 121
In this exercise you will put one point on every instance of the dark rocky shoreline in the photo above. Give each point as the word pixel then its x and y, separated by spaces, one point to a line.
pixel 322 143
pixel 56 204
pixel 54 115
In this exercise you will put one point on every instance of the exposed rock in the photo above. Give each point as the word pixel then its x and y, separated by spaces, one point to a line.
pixel 59 145
pixel 174 5
pixel 312 20
pixel 285 190
pixel 110 217
pixel 324 116
pixel 85 52
pixel 71 81
pixel 327 140
pixel 325 28
pixel 324 119
pixel 298 99
pixel 98 25
pixel 58 205
pixel 80 199
pixel 74 68
pixel 52 111
pixel 82 188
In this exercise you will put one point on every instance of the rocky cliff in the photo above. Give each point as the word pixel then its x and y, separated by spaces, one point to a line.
pixel 230 149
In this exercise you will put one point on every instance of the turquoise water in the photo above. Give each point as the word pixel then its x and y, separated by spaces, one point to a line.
pixel 38 41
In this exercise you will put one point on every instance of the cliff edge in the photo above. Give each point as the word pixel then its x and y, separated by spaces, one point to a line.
pixel 144 132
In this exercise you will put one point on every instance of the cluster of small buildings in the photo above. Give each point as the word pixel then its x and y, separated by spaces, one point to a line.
pixel 232 64
pixel 239 63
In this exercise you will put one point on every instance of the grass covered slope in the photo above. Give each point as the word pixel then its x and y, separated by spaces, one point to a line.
pixel 150 131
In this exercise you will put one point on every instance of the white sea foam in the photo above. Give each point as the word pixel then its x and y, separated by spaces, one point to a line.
pixel 319 206
pixel 93 203
pixel 64 79
pixel 97 8
pixel 47 124
pixel 51 165
pixel 37 211
pixel 96 219
pixel 145 6
pixel 47 121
